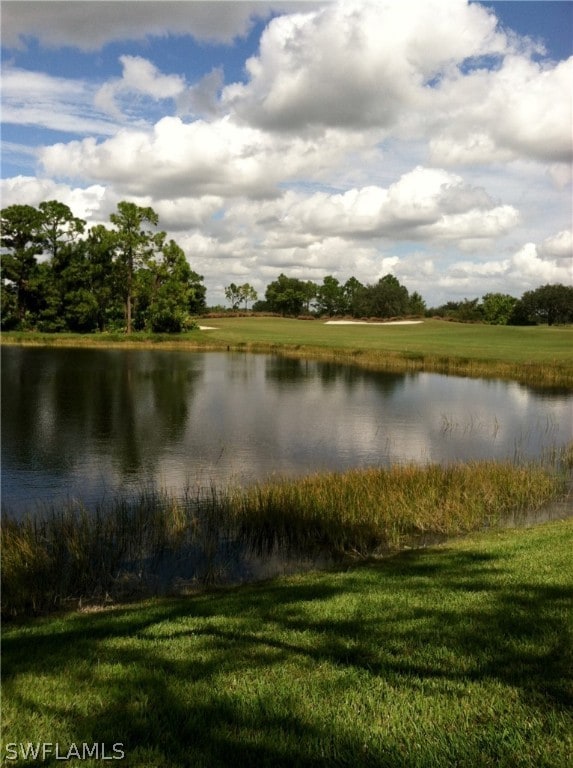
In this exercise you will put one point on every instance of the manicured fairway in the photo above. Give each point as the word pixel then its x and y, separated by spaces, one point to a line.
pixel 455 656
pixel 432 337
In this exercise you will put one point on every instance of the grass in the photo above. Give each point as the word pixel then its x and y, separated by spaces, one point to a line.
pixel 538 355
pixel 370 510
pixel 70 554
pixel 458 655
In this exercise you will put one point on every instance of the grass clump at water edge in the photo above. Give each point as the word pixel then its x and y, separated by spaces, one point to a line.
pixel 157 542
pixel 366 511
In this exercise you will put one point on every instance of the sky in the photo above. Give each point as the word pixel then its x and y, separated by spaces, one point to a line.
pixel 429 139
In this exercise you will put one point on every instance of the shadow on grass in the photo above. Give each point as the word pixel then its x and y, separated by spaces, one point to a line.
pixel 157 668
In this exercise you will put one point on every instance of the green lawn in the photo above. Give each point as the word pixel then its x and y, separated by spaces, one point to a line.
pixel 432 337
pixel 540 344
pixel 455 656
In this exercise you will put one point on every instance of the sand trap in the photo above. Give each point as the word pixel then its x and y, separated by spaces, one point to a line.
pixel 364 322
pixel 339 322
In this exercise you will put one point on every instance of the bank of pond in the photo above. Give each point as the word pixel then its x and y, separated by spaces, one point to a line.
pixel 67 555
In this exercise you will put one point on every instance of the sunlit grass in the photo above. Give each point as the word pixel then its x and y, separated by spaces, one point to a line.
pixel 456 655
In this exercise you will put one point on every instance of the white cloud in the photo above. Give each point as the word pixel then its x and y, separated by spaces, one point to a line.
pixel 91 203
pixel 202 98
pixel 176 158
pixel 358 63
pixel 57 103
pixel 559 246
pixel 410 68
pixel 522 109
pixel 91 25
pixel 370 136
pixel 525 269
pixel 139 76
pixel 529 267
pixel 425 203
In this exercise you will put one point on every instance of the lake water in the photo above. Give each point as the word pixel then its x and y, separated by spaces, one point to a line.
pixel 90 424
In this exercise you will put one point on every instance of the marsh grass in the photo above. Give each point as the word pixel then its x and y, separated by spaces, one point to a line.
pixel 66 556
pixel 373 510
pixel 59 554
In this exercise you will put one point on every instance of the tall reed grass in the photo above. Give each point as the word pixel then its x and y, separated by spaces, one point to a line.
pixel 74 554
pixel 366 511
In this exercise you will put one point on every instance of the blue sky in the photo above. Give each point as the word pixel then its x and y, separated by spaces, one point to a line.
pixel 427 138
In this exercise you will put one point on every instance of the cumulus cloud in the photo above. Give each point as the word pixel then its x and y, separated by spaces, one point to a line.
pixel 522 109
pixel 412 68
pixel 525 269
pixel 176 158
pixel 93 203
pixel 358 63
pixel 425 203
pixel 530 267
pixel 139 76
pixel 90 26
pixel 559 246
pixel 368 136
pixel 202 99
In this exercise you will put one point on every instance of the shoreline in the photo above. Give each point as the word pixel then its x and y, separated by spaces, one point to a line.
pixel 399 352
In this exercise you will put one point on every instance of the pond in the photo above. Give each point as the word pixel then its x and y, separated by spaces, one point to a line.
pixel 91 424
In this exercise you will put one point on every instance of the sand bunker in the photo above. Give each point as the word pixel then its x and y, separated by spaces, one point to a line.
pixel 365 322
pixel 340 322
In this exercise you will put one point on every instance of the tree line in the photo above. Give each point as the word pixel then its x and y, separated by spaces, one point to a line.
pixel 289 296
pixel 551 304
pixel 58 275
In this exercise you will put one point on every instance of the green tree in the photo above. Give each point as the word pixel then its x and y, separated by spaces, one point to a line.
pixel 21 242
pixel 548 304
pixel 352 288
pixel 233 295
pixel 330 299
pixel 168 290
pixel 387 298
pixel 58 226
pixel 248 294
pixel 135 246
pixel 80 296
pixel 238 294
pixel 105 277
pixel 286 295
pixel 416 304
pixel 497 308
pixel 309 291
pixel 197 293
pixel 468 310
pixel 47 297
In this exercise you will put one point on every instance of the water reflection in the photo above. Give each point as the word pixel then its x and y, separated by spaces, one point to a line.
pixel 89 423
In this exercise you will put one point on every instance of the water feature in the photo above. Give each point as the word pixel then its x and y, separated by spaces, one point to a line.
pixel 90 424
